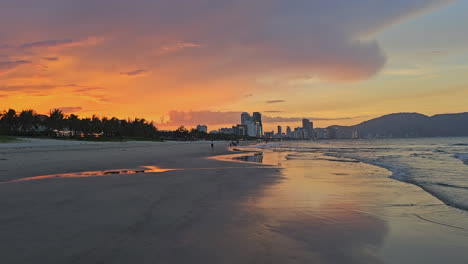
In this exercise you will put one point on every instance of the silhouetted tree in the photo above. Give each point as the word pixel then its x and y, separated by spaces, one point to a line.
pixel 56 119
pixel 74 124
pixel 9 122
pixel 27 121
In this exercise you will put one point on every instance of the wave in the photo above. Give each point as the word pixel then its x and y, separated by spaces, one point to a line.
pixel 449 194
pixel 462 156
pixel 398 159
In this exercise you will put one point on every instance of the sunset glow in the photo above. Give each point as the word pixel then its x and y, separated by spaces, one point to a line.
pixel 189 62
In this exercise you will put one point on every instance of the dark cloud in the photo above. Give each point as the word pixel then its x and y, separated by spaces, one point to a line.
pixel 9 65
pixel 135 72
pixel 70 109
pixel 275 101
pixel 61 43
pixel 90 92
pixel 51 58
pixel 27 88
pixel 81 89
pixel 47 43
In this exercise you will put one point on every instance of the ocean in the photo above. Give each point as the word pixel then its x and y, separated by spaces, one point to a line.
pixel 438 165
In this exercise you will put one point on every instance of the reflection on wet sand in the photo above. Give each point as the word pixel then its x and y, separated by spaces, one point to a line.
pixel 256 157
pixel 253 157
pixel 145 169
pixel 323 211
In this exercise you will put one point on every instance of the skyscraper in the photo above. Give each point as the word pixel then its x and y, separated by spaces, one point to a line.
pixel 257 117
pixel 245 117
pixel 288 132
pixel 280 130
pixel 308 128
pixel 253 124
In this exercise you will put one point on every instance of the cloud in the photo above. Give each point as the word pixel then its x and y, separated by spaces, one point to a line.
pixel 178 46
pixel 203 117
pixel 6 66
pixel 269 119
pixel 51 58
pixel 135 72
pixel 192 118
pixel 275 101
pixel 35 87
pixel 47 43
pixel 70 109
pixel 330 40
pixel 81 89
pixel 205 55
pixel 61 43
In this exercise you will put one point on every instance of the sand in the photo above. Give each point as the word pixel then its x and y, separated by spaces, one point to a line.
pixel 210 210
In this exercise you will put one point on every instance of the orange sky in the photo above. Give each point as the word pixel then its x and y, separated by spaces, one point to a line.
pixel 337 63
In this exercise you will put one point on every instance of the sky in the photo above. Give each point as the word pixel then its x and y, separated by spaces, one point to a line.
pixel 189 62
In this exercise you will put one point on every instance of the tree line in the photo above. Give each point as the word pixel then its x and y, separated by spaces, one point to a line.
pixel 29 123
pixel 57 124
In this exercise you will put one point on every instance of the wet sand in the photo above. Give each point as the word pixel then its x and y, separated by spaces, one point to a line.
pixel 207 210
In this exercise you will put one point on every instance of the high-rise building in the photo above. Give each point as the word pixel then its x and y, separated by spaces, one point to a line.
pixel 240 130
pixel 252 128
pixel 299 133
pixel 253 124
pixel 202 128
pixel 257 117
pixel 308 128
pixel 280 132
pixel 288 132
pixel 245 117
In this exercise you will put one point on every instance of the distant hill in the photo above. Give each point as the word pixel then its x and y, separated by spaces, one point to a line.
pixel 402 125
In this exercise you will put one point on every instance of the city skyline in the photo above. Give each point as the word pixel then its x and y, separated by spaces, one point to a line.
pixel 94 58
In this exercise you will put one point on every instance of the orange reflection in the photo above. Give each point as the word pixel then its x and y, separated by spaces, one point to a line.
pixel 146 169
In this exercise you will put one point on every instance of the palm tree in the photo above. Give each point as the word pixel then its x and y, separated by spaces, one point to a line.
pixel 27 120
pixel 74 123
pixel 9 122
pixel 56 119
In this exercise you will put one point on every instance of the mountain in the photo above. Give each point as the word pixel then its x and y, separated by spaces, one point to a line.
pixel 402 125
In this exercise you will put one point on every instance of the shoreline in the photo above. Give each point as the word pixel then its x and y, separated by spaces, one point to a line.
pixel 398 174
pixel 209 208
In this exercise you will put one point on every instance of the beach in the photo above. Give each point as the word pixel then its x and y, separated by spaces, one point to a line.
pixel 183 202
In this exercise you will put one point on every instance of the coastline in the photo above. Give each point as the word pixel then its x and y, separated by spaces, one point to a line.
pixel 208 208
pixel 171 217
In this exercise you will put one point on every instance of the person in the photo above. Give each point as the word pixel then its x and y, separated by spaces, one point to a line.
pixel 212 145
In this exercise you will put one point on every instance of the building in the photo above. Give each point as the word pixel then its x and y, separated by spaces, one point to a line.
pixel 321 133
pixel 280 132
pixel 240 130
pixel 245 117
pixel 252 124
pixel 257 117
pixel 288 132
pixel 308 128
pixel 202 128
pixel 226 130
pixel 269 134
